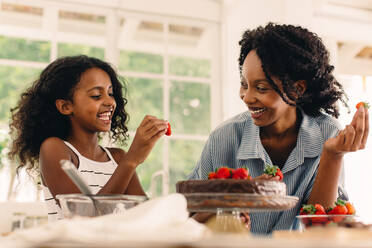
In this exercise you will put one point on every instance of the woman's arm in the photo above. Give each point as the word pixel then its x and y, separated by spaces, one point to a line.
pixel 352 138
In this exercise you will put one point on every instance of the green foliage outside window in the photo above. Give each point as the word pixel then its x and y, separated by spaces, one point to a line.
pixel 184 154
pixel 24 49
pixel 13 81
pixel 67 49
pixel 190 108
pixel 145 97
pixel 152 164
pixel 189 67
pixel 140 62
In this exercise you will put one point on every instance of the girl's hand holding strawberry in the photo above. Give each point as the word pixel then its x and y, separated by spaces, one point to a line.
pixel 148 132
pixel 354 136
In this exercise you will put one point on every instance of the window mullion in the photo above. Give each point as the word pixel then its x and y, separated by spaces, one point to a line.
pixel 166 106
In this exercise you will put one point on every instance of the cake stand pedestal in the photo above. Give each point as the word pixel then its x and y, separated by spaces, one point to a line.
pixel 229 206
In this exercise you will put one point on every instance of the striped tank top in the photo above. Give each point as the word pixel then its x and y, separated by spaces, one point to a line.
pixel 95 174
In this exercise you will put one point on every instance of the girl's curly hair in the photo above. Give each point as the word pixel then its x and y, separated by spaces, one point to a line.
pixel 35 118
pixel 292 53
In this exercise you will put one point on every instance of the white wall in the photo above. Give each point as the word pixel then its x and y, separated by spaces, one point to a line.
pixel 331 23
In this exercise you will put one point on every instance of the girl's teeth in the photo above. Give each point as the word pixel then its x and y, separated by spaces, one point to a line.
pixel 104 116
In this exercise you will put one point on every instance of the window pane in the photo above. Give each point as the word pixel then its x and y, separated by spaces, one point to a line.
pixel 184 154
pixel 13 81
pixel 65 49
pixel 152 164
pixel 23 49
pixel 190 108
pixel 140 62
pixel 145 97
pixel 182 66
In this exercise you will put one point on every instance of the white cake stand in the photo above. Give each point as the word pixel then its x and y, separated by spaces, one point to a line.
pixel 229 206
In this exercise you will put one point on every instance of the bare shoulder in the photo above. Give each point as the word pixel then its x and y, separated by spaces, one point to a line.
pixel 117 153
pixel 52 144
pixel 53 148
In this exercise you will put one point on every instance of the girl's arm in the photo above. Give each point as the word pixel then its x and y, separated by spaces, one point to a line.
pixel 352 138
pixel 133 187
pixel 124 178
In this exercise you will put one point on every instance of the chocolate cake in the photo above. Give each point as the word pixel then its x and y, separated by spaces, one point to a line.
pixel 254 186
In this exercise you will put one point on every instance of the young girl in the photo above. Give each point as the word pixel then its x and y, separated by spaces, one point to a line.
pixel 291 95
pixel 60 117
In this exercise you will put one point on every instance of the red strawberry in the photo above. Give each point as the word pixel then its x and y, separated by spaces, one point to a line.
pixel 212 175
pixel 329 210
pixel 223 173
pixel 169 130
pixel 319 210
pixel 273 170
pixel 340 207
pixel 241 173
pixel 365 105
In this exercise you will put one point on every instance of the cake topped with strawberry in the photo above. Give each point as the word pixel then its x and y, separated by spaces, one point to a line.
pixel 227 180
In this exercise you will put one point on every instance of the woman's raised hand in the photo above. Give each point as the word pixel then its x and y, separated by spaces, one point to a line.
pixel 148 132
pixel 353 137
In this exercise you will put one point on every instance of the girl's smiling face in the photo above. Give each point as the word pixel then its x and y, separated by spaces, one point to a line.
pixel 93 101
pixel 264 103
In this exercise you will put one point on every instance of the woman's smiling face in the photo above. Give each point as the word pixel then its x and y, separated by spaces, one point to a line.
pixel 264 103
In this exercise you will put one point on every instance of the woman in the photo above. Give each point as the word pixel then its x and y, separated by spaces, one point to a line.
pixel 291 95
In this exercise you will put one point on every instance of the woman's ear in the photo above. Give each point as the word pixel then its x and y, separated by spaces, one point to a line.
pixel 64 106
pixel 301 86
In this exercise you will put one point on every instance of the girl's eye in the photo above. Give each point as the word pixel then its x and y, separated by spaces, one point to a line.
pixel 244 85
pixel 111 94
pixel 96 96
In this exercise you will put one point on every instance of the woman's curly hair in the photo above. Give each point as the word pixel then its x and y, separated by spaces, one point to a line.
pixel 35 118
pixel 292 53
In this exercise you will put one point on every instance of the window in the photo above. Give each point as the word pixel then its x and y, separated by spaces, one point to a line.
pixel 167 64
pixel 168 72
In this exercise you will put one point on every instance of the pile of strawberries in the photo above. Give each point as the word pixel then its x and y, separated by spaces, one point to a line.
pixel 326 216
pixel 242 173
pixel 226 173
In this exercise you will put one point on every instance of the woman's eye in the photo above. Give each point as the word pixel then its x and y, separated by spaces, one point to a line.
pixel 96 96
pixel 111 94
pixel 259 88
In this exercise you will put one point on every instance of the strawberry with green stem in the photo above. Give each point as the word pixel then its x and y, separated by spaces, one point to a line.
pixel 365 105
pixel 273 170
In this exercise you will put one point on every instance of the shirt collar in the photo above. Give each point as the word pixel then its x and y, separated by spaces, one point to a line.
pixel 309 142
pixel 250 145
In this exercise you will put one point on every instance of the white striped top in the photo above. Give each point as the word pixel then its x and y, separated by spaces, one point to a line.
pixel 236 143
pixel 95 174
